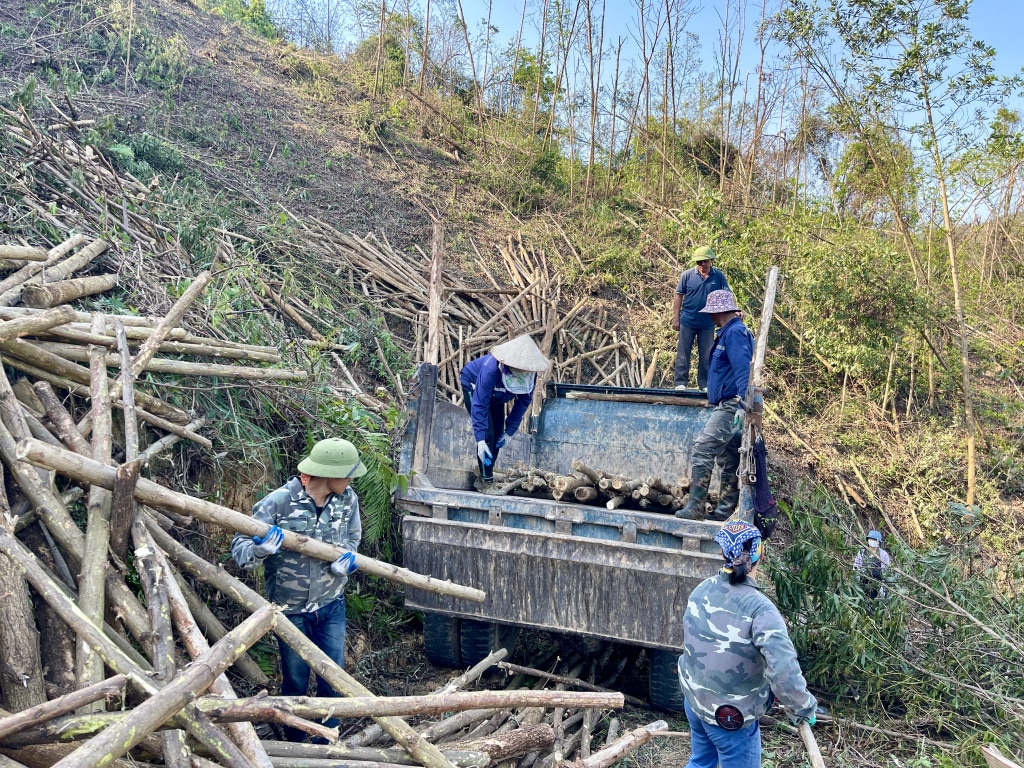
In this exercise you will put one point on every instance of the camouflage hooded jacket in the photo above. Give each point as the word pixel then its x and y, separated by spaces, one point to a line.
pixel 299 582
pixel 736 646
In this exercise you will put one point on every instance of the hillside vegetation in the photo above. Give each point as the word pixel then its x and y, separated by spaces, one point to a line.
pixel 889 195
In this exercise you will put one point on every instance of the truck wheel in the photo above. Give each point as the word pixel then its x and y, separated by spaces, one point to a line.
pixel 441 640
pixel 664 687
pixel 479 639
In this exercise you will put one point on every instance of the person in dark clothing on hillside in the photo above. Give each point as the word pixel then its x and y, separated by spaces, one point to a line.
pixel 507 374
pixel 691 295
pixel 719 440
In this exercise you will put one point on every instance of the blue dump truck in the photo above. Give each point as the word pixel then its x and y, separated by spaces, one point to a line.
pixel 622 575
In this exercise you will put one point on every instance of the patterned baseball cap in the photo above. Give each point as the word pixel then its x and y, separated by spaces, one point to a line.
pixel 720 301
pixel 734 535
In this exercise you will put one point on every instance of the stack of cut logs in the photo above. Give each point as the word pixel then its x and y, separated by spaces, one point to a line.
pixel 593 486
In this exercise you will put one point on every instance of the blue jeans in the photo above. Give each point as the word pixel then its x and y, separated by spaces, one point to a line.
pixel 705 338
pixel 712 746
pixel 326 628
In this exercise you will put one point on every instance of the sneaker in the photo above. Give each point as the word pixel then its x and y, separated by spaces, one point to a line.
pixel 681 386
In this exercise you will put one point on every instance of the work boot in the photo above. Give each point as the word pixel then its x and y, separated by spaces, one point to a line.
pixel 700 479
pixel 728 498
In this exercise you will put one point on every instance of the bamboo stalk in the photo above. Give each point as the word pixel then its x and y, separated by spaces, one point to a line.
pixel 155 495
pixel 336 752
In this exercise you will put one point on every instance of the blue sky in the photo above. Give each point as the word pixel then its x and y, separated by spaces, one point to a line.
pixel 997 22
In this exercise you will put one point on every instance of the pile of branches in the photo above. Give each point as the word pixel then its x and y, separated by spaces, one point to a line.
pixel 593 486
pixel 584 344
pixel 527 736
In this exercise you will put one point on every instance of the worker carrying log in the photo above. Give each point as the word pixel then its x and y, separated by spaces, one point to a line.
pixel 507 374
pixel 320 504
pixel 736 654
pixel 719 440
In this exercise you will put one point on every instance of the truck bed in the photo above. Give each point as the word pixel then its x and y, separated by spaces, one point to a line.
pixel 613 574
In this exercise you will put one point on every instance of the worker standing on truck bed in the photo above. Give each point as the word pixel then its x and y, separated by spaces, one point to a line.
pixel 736 654
pixel 691 295
pixel 720 439
pixel 507 374
pixel 319 504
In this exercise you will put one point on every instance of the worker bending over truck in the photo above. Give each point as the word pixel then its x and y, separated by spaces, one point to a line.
pixel 507 374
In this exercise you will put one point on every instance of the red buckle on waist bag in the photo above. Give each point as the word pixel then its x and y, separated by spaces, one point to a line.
pixel 729 717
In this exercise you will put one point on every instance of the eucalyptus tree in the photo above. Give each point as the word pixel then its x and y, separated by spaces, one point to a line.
pixel 908 68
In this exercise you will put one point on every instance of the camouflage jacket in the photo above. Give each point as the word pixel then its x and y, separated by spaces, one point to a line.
pixel 298 582
pixel 736 647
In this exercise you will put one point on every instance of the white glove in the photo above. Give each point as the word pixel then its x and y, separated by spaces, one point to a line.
pixel 483 452
pixel 270 544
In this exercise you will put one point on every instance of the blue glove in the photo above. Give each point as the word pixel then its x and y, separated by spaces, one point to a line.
pixel 812 719
pixel 484 453
pixel 503 440
pixel 345 565
pixel 269 544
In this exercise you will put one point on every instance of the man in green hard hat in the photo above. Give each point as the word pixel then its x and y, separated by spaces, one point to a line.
pixel 691 295
pixel 317 503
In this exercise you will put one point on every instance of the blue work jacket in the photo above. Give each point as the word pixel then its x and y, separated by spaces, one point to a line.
pixel 482 379
pixel 729 368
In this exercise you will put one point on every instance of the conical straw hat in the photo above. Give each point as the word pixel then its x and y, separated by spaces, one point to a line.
pixel 522 353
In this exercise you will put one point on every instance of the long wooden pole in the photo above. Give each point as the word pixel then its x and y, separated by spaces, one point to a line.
pixel 23 326
pixel 813 753
pixel 311 708
pixel 188 630
pixel 85 470
pixel 62 705
pixel 419 748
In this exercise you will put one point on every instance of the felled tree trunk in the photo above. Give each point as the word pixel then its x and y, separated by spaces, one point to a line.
pixel 21 672
pixel 529 738
pixel 54 294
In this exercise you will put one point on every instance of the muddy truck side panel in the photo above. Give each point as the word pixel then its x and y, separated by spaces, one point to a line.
pixel 621 575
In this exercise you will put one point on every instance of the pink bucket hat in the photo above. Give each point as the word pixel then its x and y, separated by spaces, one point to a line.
pixel 721 301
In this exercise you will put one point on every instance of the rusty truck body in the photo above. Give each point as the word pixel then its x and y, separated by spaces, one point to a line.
pixel 621 575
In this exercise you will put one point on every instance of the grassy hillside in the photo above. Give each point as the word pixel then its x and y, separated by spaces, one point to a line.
pixel 238 131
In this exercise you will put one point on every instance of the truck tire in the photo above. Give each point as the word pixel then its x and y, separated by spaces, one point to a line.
pixel 664 689
pixel 441 640
pixel 479 639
